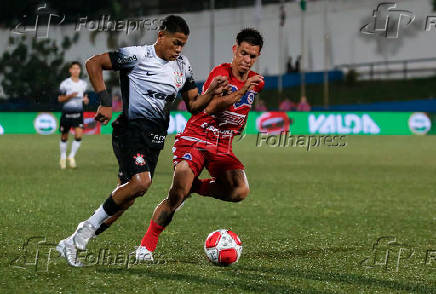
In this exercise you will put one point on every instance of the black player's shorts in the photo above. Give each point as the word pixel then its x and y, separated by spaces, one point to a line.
pixel 70 120
pixel 137 149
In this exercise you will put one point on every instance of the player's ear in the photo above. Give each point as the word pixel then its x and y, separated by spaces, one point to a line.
pixel 161 34
pixel 234 48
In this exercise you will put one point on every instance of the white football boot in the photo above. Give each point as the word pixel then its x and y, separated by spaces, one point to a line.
pixel 143 254
pixel 63 163
pixel 68 250
pixel 72 162
pixel 84 233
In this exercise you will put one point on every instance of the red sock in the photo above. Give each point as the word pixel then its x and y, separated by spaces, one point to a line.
pixel 202 186
pixel 151 238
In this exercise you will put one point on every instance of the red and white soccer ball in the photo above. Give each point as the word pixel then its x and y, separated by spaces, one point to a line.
pixel 223 247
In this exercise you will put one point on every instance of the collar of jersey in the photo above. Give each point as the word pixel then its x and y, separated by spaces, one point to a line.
pixel 153 50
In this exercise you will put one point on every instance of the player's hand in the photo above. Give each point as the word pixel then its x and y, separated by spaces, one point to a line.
pixel 226 90
pixel 104 114
pixel 253 82
pixel 86 100
pixel 74 94
pixel 218 84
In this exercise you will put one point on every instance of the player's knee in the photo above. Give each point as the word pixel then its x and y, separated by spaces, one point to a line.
pixel 240 193
pixel 140 186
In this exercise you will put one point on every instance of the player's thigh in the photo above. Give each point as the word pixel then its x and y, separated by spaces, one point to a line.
pixel 227 169
pixel 232 179
pixel 64 127
pixel 189 153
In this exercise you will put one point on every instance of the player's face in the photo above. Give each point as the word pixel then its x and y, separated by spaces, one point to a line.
pixel 75 70
pixel 245 55
pixel 172 44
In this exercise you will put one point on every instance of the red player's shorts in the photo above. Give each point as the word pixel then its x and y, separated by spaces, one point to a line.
pixel 198 155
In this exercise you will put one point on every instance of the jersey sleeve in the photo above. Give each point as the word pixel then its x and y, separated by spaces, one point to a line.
pixel 125 58
pixel 217 71
pixel 189 74
pixel 62 89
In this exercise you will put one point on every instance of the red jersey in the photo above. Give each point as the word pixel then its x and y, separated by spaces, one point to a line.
pixel 222 126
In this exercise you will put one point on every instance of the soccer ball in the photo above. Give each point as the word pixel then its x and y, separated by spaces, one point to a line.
pixel 223 247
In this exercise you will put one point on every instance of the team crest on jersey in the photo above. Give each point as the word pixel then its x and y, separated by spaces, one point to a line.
pixel 247 99
pixel 178 77
pixel 139 159
pixel 187 156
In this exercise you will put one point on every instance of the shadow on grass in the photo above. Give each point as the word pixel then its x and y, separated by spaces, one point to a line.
pixel 237 282
pixel 352 279
pixel 308 252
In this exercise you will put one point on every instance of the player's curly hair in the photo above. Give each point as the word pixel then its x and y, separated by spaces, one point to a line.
pixel 174 24
pixel 251 36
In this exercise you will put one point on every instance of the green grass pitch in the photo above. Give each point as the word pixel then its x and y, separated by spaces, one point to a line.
pixel 310 225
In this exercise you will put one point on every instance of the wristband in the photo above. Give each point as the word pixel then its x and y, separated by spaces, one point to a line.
pixel 105 98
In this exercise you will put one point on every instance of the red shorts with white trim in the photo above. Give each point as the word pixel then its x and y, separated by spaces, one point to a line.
pixel 199 155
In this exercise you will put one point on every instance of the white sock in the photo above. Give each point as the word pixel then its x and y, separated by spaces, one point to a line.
pixel 98 217
pixel 63 148
pixel 74 147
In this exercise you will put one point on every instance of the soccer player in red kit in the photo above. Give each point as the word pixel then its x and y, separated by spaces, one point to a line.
pixel 206 141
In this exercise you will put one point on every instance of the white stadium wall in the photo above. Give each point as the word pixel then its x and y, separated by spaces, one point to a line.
pixel 345 19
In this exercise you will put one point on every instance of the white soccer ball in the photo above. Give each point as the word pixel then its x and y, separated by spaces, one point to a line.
pixel 223 247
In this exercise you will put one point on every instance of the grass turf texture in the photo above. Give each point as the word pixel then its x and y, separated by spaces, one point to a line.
pixel 307 226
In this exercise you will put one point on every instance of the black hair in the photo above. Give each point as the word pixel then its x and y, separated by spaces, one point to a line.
pixel 174 24
pixel 76 63
pixel 251 36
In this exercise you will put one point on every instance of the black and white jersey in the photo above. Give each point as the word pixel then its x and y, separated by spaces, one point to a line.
pixel 67 87
pixel 150 84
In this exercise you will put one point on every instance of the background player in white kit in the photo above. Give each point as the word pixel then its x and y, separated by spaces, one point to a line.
pixel 72 95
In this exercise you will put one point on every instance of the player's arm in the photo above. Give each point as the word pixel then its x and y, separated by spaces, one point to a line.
pixel 95 66
pixel 65 98
pixel 195 102
pixel 220 103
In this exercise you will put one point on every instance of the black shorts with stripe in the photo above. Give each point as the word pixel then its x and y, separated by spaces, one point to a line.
pixel 70 120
